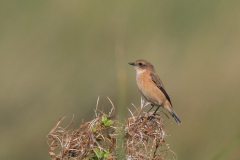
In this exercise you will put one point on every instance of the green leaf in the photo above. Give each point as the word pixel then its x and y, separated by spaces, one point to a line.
pixel 94 128
pixel 97 151
pixel 104 119
pixel 106 153
pixel 108 123
pixel 94 158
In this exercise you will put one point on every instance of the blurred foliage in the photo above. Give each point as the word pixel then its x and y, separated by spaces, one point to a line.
pixel 57 56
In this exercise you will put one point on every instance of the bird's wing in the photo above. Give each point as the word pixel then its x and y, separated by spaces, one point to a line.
pixel 159 84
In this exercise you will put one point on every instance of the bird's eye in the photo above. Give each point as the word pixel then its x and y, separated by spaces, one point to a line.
pixel 140 64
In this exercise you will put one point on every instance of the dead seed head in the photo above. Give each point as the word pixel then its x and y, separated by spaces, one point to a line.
pixel 97 139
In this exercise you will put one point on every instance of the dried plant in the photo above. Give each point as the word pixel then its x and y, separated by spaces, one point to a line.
pixel 143 138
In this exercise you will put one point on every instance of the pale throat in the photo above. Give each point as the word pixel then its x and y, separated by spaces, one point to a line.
pixel 139 71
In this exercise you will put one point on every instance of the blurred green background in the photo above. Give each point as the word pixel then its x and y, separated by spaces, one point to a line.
pixel 57 56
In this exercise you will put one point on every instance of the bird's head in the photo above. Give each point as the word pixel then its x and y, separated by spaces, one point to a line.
pixel 141 66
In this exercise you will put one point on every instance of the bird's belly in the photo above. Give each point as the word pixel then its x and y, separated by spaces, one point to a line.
pixel 151 92
pixel 154 97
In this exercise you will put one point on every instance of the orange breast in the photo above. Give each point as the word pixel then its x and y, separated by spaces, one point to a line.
pixel 149 89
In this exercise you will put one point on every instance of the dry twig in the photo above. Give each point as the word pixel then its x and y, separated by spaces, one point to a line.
pixel 143 138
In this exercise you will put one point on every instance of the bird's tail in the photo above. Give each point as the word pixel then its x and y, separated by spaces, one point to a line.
pixel 174 115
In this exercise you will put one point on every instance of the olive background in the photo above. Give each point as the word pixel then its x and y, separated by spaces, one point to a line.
pixel 57 57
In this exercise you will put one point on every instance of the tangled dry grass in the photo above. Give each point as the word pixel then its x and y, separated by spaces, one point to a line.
pixel 143 138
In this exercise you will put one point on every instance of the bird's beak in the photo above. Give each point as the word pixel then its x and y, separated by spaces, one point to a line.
pixel 131 63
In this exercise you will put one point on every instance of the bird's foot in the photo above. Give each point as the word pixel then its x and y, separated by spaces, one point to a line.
pixel 153 116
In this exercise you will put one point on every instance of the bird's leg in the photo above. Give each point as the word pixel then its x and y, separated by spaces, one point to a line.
pixel 153 115
pixel 156 110
pixel 150 108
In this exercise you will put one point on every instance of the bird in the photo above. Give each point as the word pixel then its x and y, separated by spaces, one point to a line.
pixel 152 88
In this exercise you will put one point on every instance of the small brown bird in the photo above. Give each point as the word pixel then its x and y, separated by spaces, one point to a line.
pixel 152 88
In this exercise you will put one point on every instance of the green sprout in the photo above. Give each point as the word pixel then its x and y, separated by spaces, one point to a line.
pixel 106 121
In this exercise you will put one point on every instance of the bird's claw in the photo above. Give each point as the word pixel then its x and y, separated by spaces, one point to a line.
pixel 152 116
